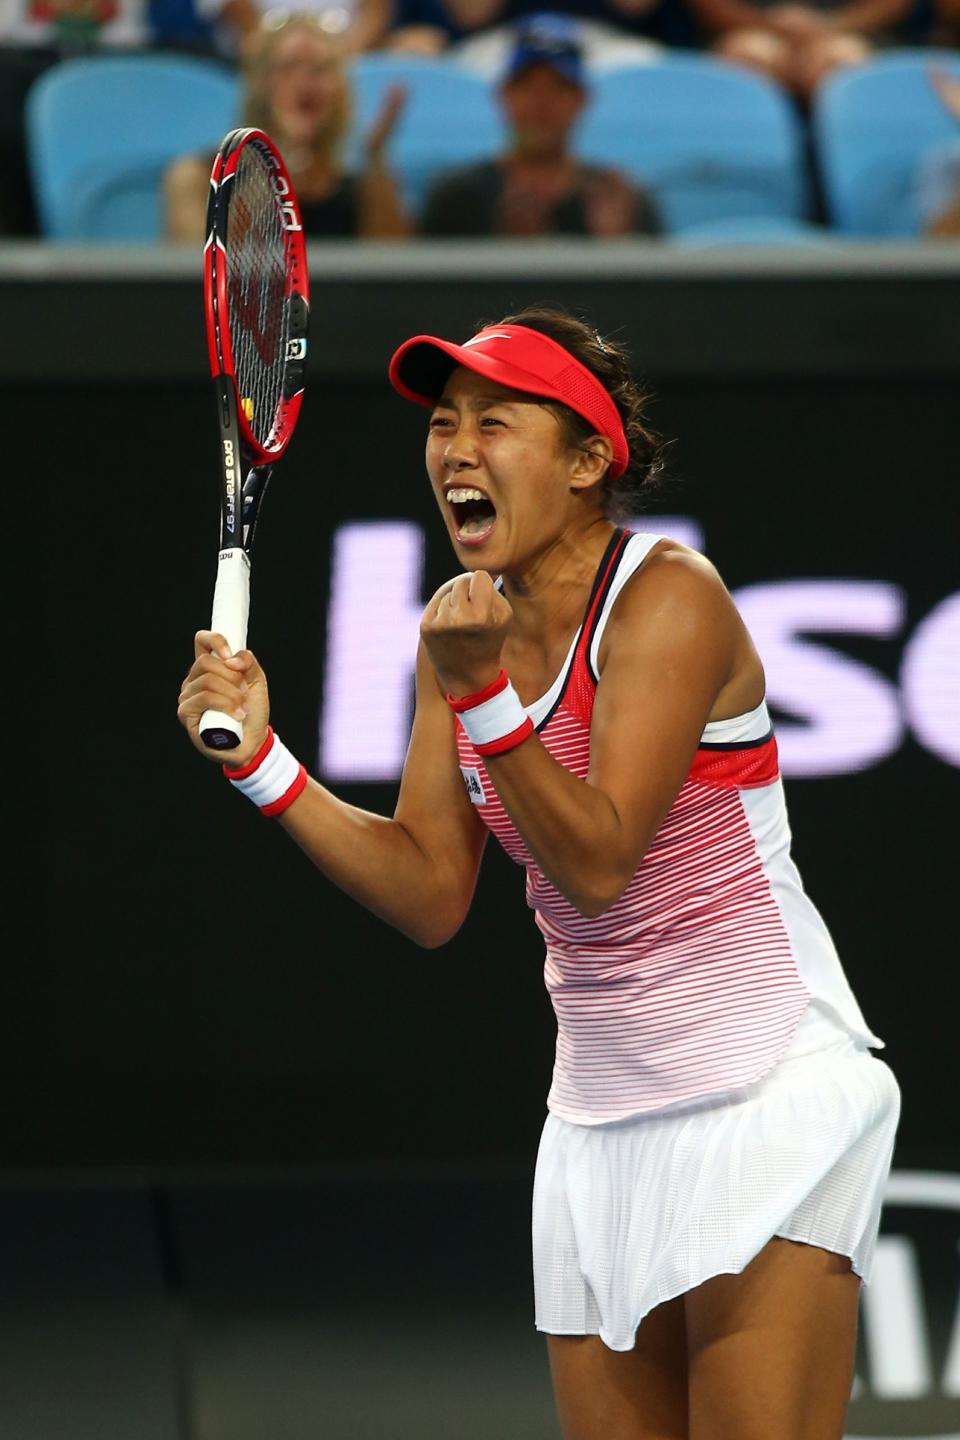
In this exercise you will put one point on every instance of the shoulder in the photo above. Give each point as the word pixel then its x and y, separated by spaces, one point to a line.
pixel 675 575
pixel 676 597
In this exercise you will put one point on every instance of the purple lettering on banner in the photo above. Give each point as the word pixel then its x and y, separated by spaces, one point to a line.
pixel 931 680
pixel 373 626
pixel 848 715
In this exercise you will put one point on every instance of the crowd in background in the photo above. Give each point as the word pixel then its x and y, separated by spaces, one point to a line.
pixel 296 83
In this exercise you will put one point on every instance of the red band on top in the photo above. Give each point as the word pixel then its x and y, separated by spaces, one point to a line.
pixel 503 743
pixel 748 768
pixel 521 358
pixel 467 702
pixel 277 807
pixel 245 771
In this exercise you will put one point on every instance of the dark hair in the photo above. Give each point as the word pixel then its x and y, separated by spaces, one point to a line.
pixel 629 492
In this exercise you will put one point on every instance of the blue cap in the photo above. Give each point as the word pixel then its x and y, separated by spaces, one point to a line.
pixel 547 39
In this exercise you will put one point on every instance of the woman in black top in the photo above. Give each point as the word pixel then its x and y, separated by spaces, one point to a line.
pixel 298 91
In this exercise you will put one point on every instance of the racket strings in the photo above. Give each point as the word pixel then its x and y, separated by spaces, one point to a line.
pixel 256 289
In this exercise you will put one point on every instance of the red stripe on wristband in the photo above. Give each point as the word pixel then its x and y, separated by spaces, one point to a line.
pixel 507 742
pixel 467 702
pixel 245 771
pixel 287 798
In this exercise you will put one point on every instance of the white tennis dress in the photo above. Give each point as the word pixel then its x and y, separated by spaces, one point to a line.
pixel 713 1084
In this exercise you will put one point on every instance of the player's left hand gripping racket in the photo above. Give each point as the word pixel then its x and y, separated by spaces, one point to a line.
pixel 256 300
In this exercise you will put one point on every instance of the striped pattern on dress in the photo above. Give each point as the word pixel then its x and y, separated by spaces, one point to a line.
pixel 688 985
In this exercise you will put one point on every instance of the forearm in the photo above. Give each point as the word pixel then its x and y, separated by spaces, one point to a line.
pixel 866 16
pixel 720 15
pixel 370 24
pixel 571 828
pixel 473 14
pixel 378 862
pixel 382 216
pixel 241 16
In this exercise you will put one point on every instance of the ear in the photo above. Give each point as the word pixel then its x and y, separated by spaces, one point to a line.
pixel 590 463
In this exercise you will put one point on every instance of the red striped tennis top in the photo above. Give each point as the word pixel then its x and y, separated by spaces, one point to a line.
pixel 695 981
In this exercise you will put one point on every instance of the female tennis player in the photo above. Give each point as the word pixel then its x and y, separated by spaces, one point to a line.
pixel 709 1180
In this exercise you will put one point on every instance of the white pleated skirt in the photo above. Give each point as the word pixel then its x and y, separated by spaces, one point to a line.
pixel 630 1214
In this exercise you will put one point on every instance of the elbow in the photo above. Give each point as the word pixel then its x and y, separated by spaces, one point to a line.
pixel 432 932
pixel 591 908
pixel 591 904
pixel 430 939
pixel 596 894
pixel 599 892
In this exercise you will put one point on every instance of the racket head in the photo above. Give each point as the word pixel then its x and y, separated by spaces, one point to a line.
pixel 256 290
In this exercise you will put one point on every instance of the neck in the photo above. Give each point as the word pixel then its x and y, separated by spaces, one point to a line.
pixel 547 593
pixel 541 160
pixel 311 166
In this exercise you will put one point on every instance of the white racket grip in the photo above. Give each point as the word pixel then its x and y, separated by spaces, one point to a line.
pixel 231 611
pixel 231 597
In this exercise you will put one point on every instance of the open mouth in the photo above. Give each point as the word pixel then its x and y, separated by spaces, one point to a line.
pixel 474 514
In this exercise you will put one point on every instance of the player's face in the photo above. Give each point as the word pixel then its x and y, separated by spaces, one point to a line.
pixel 305 85
pixel 501 471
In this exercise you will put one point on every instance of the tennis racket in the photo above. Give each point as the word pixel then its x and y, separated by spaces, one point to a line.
pixel 256 303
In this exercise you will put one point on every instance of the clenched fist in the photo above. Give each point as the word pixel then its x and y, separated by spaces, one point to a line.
pixel 463 629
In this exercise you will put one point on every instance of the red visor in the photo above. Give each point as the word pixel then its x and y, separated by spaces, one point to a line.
pixel 521 358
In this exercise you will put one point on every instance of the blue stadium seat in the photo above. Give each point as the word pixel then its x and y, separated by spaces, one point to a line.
pixel 101 131
pixel 450 119
pixel 872 125
pixel 711 140
pixel 762 231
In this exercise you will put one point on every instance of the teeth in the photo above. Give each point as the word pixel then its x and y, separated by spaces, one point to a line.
pixel 462 493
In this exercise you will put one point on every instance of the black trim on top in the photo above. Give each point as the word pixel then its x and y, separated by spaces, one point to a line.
pixel 601 601
pixel 735 744
pixel 602 580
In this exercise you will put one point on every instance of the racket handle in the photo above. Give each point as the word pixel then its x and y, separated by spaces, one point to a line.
pixel 231 610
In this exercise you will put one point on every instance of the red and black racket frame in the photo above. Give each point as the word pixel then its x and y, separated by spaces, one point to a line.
pixel 247 462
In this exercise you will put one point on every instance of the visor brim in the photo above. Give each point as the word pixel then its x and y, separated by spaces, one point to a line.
pixel 421 367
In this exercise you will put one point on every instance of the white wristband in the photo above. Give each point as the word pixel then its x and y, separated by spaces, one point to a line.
pixel 494 718
pixel 273 778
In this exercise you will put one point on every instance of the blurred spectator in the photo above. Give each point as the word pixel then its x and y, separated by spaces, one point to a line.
pixel 797 45
pixel 355 24
pixel 538 186
pixel 421 27
pixel 938 181
pixel 945 24
pixel 73 26
pixel 611 31
pixel 298 90
pixel 178 25
pixel 35 34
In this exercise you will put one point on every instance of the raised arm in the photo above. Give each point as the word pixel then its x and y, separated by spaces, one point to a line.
pixel 416 870
pixel 721 15
pixel 674 643
pixel 382 213
pixel 868 16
